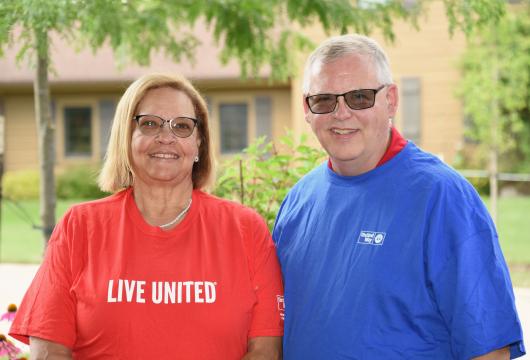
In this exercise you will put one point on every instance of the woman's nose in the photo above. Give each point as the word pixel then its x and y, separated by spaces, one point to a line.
pixel 165 135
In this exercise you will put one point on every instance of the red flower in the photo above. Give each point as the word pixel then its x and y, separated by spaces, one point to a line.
pixel 10 314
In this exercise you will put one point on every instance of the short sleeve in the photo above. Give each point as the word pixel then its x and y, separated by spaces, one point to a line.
pixel 48 309
pixel 468 276
pixel 268 312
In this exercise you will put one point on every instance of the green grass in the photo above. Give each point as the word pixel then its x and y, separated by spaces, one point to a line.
pixel 513 223
pixel 20 243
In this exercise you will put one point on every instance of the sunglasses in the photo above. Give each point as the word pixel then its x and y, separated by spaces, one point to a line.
pixel 151 125
pixel 355 99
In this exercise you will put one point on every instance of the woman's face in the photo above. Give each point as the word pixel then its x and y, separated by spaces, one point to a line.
pixel 164 159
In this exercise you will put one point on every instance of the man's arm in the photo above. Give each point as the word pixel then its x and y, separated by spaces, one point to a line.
pixel 501 354
pixel 41 349
pixel 264 348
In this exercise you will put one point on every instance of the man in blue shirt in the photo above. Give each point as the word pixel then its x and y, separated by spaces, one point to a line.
pixel 387 253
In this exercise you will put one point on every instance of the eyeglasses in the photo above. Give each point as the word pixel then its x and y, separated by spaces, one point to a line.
pixel 151 125
pixel 356 100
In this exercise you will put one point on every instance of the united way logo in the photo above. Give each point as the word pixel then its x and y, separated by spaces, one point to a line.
pixel 371 238
pixel 281 306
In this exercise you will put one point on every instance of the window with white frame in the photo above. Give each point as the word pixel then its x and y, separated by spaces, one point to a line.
pixel 233 126
pixel 264 117
pixel 78 131
pixel 241 120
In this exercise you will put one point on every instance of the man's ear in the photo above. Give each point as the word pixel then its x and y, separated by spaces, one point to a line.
pixel 306 109
pixel 392 99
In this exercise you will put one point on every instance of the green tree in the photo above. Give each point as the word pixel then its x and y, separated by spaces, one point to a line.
pixel 255 32
pixel 496 92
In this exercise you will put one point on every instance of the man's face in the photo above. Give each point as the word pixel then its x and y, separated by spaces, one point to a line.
pixel 354 139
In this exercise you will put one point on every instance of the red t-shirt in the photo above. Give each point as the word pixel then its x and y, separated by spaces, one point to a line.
pixel 113 286
pixel 397 143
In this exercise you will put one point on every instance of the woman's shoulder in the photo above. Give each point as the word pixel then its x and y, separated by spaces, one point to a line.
pixel 108 203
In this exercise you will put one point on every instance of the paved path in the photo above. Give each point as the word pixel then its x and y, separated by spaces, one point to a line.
pixel 15 278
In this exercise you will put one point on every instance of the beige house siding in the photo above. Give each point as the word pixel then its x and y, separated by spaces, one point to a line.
pixel 21 142
pixel 427 57
pixel 61 104
pixel 21 148
pixel 20 136
pixel 432 55
pixel 279 106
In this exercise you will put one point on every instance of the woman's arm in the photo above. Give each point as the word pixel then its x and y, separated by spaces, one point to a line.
pixel 41 349
pixel 264 348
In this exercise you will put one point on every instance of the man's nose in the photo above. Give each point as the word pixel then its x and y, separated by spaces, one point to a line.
pixel 342 110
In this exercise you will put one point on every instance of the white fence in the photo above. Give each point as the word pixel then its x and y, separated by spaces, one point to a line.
pixel 500 176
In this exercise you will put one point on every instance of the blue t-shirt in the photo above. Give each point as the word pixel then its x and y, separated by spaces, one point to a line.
pixel 402 262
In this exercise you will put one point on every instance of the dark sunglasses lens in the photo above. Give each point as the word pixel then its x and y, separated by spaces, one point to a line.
pixel 182 127
pixel 322 104
pixel 360 99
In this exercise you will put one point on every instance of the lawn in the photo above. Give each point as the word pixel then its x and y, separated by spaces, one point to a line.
pixel 20 241
pixel 23 244
pixel 514 236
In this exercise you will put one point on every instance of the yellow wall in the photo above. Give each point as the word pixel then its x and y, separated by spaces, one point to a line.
pixel 432 55
pixel 21 147
pixel 20 136
pixel 76 101
pixel 280 102
pixel 429 54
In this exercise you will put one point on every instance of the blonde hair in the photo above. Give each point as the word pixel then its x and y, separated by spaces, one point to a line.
pixel 116 173
pixel 351 44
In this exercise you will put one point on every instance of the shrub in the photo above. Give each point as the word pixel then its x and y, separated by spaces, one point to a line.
pixel 21 184
pixel 78 182
pixel 262 176
pixel 482 185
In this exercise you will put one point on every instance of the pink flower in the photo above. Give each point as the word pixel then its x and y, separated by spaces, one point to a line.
pixel 10 314
pixel 7 348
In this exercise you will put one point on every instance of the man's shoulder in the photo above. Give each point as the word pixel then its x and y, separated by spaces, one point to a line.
pixel 431 168
pixel 303 191
pixel 426 171
pixel 309 180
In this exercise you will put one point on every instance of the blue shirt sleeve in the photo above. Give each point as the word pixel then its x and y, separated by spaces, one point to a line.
pixel 468 276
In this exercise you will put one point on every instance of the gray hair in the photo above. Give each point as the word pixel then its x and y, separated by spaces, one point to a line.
pixel 352 44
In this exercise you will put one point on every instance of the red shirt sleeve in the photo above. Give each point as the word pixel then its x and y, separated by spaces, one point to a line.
pixel 48 309
pixel 267 314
